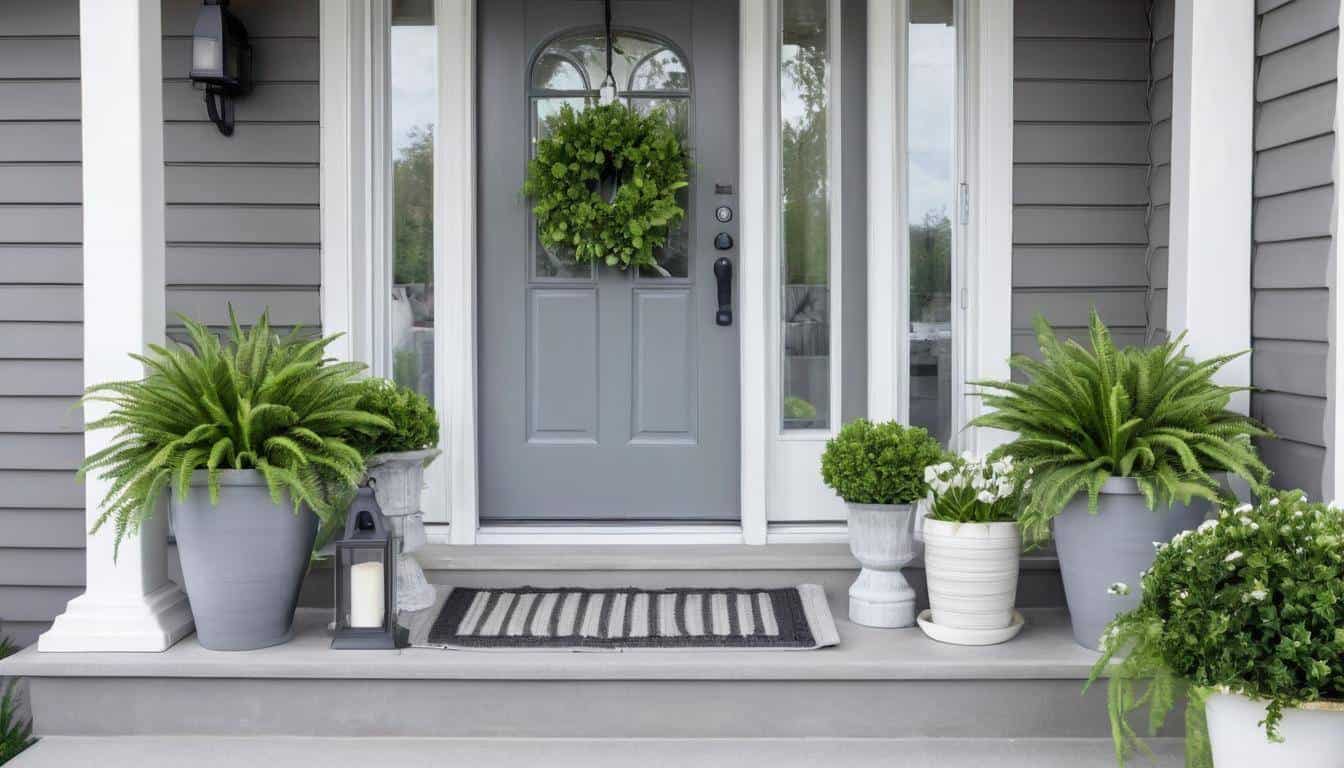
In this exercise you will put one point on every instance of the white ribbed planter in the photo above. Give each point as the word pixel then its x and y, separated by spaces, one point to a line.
pixel 972 572
pixel 397 479
pixel 881 538
pixel 1313 735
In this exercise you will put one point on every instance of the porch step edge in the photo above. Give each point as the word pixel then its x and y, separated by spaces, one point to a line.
pixel 301 752
pixel 659 557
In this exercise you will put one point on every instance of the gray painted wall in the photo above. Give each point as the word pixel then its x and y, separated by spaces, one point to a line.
pixel 1080 166
pixel 41 506
pixel 242 219
pixel 242 226
pixel 1296 43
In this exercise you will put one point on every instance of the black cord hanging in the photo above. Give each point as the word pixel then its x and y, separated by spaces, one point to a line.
pixel 610 80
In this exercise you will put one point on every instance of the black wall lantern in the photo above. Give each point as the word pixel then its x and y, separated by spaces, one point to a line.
pixel 221 61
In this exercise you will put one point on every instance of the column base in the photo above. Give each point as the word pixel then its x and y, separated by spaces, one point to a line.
pixel 97 623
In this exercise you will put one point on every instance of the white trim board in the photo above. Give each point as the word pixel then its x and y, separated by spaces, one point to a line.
pixel 1209 259
pixel 1333 471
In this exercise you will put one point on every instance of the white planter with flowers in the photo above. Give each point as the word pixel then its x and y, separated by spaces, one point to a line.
pixel 1266 584
pixel 878 470
pixel 972 550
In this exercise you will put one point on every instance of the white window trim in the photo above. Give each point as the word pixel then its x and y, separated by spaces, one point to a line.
pixel 352 195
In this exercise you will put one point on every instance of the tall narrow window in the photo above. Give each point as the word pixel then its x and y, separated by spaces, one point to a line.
pixel 413 105
pixel 804 100
pixel 931 196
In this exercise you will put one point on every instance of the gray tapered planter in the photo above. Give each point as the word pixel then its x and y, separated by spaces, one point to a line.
pixel 243 560
pixel 1114 545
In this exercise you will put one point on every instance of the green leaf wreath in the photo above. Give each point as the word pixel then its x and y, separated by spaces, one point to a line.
pixel 258 401
pixel 584 154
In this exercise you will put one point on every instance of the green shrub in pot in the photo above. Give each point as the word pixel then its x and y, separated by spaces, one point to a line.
pixel 16 730
pixel 878 469
pixel 1248 612
pixel 396 462
pixel 1107 432
pixel 252 435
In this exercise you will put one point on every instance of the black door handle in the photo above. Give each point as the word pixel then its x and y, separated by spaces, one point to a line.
pixel 723 274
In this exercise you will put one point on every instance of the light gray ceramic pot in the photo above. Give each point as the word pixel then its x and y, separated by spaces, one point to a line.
pixel 1114 545
pixel 243 560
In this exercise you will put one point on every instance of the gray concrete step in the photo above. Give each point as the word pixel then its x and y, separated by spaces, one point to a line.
pixel 219 752
pixel 875 684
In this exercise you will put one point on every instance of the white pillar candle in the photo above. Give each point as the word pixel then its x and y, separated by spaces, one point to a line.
pixel 366 595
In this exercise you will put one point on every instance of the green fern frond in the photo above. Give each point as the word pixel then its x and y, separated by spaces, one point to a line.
pixel 1084 415
pixel 244 403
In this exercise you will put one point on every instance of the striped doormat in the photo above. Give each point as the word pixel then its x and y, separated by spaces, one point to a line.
pixel 563 618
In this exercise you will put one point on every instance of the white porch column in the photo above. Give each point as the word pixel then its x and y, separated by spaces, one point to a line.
pixel 1209 278
pixel 129 604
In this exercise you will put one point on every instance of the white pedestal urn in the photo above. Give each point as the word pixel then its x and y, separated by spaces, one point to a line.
pixel 397 479
pixel 1313 734
pixel 881 538
pixel 972 572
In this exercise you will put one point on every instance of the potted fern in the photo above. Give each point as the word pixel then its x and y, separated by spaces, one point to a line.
pixel 878 469
pixel 250 436
pixel 396 470
pixel 971 551
pixel 1244 613
pixel 1120 443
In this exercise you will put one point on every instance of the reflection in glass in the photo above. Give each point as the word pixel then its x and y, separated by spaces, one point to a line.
pixel 931 125
pixel 414 108
pixel 805 240
pixel 652 76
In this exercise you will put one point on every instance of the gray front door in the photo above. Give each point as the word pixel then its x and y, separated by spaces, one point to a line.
pixel 605 395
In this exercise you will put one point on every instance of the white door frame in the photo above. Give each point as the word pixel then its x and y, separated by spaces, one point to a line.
pixel 352 198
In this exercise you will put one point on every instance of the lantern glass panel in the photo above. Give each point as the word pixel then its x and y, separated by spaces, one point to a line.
pixel 363 575
pixel 205 55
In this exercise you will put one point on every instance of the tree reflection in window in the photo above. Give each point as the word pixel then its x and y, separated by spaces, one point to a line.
pixel 805 214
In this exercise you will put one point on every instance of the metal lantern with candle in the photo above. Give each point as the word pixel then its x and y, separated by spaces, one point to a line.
pixel 366 579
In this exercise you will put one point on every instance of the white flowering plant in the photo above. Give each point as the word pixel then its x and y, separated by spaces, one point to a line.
pixel 1249 603
pixel 968 489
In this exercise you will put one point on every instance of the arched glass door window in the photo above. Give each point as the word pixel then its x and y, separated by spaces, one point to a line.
pixel 651 74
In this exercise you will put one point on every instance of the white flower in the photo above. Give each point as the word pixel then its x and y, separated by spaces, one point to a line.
pixel 1233 556
pixel 968 457
pixel 986 497
pixel 1255 526
pixel 946 466
pixel 1243 509
pixel 1258 595
pixel 929 474
pixel 1245 521
pixel 939 486
pixel 1179 536
pixel 1118 588
pixel 1207 525
pixel 1158 545
pixel 958 481
pixel 1184 594
pixel 1273 502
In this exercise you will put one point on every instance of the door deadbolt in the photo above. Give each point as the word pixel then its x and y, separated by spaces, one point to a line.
pixel 723 241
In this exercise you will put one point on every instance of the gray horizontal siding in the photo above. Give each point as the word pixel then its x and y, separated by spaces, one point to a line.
pixel 1080 166
pixel 41 505
pixel 242 223
pixel 1296 46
